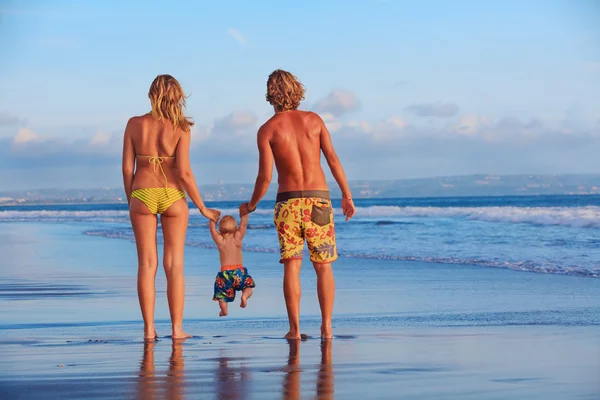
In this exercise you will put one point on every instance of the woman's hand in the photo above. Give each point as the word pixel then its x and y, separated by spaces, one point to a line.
pixel 210 213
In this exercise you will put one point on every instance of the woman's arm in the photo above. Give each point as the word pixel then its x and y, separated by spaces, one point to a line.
pixel 186 176
pixel 128 163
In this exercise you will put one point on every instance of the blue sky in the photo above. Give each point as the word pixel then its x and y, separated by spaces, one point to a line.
pixel 407 88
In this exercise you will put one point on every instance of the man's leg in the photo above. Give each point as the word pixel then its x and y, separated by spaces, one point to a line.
pixel 326 292
pixel 292 292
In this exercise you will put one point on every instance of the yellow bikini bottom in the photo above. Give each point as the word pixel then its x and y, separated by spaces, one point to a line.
pixel 158 200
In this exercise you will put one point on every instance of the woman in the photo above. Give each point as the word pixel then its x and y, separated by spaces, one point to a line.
pixel 156 175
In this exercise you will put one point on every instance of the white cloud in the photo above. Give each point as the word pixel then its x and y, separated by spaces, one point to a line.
pixel 331 122
pixel 237 121
pixel 389 148
pixel 100 139
pixel 237 36
pixel 25 135
pixel 469 124
pixel 337 103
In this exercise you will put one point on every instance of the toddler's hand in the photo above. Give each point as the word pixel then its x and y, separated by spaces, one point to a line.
pixel 245 209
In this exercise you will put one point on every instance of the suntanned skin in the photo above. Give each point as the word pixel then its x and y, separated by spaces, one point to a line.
pixel 146 136
pixel 294 140
pixel 230 253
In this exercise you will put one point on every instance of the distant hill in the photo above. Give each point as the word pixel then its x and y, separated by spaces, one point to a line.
pixel 468 185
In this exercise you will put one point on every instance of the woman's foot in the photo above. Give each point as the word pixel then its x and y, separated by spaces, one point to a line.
pixel 150 333
pixel 179 333
pixel 326 332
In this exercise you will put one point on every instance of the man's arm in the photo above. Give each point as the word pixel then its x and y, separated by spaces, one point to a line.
pixel 241 232
pixel 265 171
pixel 216 236
pixel 128 162
pixel 337 171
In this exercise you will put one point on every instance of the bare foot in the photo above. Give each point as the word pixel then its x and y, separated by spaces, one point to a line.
pixel 246 294
pixel 224 307
pixel 180 334
pixel 326 332
pixel 292 336
pixel 150 333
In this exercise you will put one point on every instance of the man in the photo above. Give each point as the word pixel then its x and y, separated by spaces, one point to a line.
pixel 294 139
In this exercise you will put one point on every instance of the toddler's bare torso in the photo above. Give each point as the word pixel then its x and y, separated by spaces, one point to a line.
pixel 230 251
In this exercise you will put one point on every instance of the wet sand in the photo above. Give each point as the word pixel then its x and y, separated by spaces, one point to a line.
pixel 414 363
pixel 70 329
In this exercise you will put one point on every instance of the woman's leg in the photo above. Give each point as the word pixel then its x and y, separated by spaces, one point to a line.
pixel 144 229
pixel 174 223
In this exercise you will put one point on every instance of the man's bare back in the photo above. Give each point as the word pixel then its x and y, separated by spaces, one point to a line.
pixel 295 139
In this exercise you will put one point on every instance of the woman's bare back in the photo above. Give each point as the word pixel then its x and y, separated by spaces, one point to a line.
pixel 152 138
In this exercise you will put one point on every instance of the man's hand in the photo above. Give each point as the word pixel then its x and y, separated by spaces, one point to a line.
pixel 348 208
pixel 246 209
pixel 210 213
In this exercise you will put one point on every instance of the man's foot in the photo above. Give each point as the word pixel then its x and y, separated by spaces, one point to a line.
pixel 223 314
pixel 180 334
pixel 326 332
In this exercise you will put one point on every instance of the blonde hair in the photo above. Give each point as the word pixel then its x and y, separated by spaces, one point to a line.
pixel 228 224
pixel 168 101
pixel 284 90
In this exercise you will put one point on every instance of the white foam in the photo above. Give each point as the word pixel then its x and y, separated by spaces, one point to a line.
pixel 581 217
pixel 586 217
pixel 36 215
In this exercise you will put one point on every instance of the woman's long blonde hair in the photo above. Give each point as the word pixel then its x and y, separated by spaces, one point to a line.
pixel 168 102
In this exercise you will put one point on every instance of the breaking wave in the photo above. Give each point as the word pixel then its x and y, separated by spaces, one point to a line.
pixel 579 217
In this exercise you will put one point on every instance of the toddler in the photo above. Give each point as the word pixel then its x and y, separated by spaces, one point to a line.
pixel 233 276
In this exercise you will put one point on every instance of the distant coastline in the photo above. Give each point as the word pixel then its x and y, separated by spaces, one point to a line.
pixel 449 186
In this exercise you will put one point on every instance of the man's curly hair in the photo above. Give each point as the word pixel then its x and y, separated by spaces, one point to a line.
pixel 284 90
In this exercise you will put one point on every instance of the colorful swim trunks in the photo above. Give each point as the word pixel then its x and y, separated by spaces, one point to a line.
pixel 301 216
pixel 230 279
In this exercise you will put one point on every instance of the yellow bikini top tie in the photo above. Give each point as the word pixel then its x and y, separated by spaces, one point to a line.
pixel 156 160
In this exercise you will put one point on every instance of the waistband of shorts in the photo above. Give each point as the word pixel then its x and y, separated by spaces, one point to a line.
pixel 298 194
pixel 231 267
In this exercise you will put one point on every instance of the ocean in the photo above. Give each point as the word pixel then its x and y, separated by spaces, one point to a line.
pixel 545 234
pixel 457 298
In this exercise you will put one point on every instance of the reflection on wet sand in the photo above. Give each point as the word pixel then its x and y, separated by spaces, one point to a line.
pixel 176 374
pixel 325 381
pixel 230 378
pixel 231 382
pixel 146 384
pixel 291 380
pixel 291 389
pixel 150 386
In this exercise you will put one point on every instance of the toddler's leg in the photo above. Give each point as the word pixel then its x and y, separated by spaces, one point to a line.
pixel 223 306
pixel 246 294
